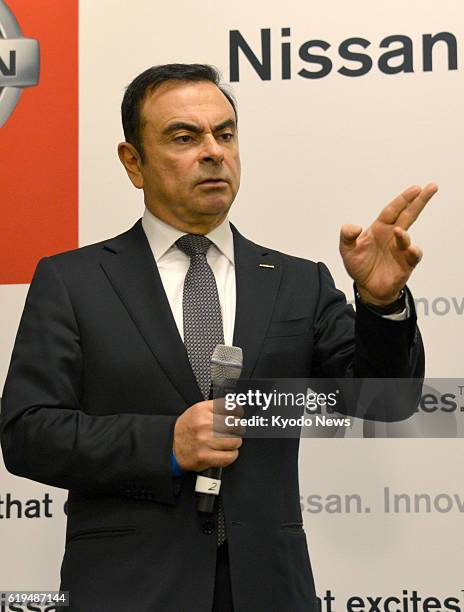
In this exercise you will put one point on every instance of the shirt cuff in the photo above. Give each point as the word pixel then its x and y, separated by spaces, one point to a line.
pixel 176 470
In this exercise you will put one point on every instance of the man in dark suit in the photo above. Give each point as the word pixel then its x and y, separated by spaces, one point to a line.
pixel 105 397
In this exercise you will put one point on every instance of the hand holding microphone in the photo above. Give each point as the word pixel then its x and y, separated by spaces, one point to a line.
pixel 202 440
pixel 199 441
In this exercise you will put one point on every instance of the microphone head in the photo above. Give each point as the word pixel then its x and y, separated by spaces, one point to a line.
pixel 226 363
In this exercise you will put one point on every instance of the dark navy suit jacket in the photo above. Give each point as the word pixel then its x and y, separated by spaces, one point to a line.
pixel 98 377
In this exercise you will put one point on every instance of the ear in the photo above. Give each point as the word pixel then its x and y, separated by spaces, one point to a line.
pixel 132 162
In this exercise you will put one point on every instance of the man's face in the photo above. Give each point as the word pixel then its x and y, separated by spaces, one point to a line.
pixel 191 169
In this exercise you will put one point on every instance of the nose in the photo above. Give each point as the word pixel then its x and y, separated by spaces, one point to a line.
pixel 212 150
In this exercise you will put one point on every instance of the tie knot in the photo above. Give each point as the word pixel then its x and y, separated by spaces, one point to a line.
pixel 193 244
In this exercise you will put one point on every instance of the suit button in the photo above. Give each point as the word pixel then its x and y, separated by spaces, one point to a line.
pixel 208 527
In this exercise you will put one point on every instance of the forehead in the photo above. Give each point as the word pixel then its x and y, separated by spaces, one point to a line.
pixel 201 102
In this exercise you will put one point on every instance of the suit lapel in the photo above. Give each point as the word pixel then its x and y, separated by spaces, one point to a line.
pixel 131 269
pixel 128 263
pixel 257 275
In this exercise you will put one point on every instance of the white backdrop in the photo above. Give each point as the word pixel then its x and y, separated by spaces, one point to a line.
pixel 315 153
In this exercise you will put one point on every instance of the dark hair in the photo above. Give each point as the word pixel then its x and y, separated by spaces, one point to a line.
pixel 149 80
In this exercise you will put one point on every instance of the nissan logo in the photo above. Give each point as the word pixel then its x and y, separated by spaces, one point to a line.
pixel 19 62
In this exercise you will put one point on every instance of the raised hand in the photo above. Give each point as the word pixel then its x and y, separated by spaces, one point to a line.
pixel 381 258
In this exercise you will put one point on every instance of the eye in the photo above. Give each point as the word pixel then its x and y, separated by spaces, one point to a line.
pixel 184 139
pixel 227 137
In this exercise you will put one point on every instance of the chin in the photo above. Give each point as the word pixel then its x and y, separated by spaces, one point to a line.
pixel 215 207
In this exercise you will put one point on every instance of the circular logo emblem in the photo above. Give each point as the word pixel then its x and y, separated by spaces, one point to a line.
pixel 19 62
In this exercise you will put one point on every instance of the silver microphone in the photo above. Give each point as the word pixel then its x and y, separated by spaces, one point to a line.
pixel 226 368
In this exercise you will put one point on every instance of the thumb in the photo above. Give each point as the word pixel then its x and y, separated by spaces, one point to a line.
pixel 348 234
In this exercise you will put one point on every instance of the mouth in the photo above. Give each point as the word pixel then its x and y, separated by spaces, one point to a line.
pixel 218 182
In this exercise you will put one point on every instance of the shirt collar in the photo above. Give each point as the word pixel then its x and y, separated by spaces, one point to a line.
pixel 162 236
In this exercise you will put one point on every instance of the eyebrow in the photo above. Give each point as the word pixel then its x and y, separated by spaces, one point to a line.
pixel 191 127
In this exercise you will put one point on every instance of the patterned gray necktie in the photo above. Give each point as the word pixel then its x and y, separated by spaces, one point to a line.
pixel 202 322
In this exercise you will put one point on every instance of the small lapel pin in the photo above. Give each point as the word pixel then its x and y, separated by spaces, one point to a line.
pixel 267 266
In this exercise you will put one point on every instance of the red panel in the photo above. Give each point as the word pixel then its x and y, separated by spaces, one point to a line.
pixel 39 146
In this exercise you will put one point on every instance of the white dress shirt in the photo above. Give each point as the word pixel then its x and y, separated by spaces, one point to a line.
pixel 173 265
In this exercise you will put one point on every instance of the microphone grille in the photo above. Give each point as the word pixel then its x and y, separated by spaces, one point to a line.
pixel 226 363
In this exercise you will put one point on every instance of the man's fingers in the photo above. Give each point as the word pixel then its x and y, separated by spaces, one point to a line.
pixel 349 233
pixel 221 407
pixel 413 255
pixel 413 210
pixel 413 252
pixel 223 458
pixel 225 443
pixel 227 425
pixel 392 211
pixel 402 238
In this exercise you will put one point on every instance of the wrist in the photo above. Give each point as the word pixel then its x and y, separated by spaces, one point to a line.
pixel 368 299
pixel 381 307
